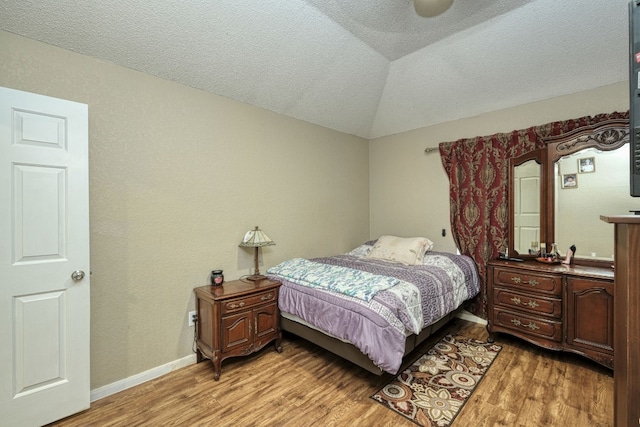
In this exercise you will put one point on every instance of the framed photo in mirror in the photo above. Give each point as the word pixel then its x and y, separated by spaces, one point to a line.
pixel 586 165
pixel 570 180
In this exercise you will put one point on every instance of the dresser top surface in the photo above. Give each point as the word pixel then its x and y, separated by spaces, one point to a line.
pixel 569 270
pixel 621 219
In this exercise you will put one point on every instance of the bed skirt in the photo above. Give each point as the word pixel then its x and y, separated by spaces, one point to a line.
pixel 350 352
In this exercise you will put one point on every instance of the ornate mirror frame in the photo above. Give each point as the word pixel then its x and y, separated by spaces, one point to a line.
pixel 605 136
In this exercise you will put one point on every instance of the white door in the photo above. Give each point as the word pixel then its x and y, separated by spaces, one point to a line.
pixel 44 235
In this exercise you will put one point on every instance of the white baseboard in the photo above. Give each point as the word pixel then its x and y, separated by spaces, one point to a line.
pixel 142 377
pixel 465 315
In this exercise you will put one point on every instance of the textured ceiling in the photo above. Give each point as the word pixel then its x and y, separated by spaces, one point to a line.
pixel 365 67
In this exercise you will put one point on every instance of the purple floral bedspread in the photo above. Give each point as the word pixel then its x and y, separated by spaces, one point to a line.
pixel 378 327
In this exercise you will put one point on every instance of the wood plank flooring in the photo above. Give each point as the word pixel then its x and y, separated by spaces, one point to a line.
pixel 307 386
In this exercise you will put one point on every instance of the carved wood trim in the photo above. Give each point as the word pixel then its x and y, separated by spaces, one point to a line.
pixel 605 136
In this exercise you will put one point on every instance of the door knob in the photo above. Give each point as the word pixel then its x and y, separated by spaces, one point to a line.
pixel 77 275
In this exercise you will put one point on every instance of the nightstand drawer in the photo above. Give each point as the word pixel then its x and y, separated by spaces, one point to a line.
pixel 537 305
pixel 531 282
pixel 548 329
pixel 249 301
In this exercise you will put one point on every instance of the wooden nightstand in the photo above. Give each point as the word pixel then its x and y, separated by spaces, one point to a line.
pixel 236 319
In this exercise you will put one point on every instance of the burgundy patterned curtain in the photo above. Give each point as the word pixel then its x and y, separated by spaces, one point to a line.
pixel 478 171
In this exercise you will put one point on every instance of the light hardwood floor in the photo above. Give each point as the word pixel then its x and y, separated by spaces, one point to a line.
pixel 307 386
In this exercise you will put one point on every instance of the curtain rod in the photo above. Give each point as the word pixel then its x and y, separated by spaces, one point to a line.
pixel 430 149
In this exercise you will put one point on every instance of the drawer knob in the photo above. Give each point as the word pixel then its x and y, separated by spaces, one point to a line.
pixel 267 297
pixel 531 325
pixel 518 280
pixel 234 305
pixel 530 303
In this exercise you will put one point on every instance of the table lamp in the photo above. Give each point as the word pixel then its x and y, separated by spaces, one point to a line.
pixel 256 239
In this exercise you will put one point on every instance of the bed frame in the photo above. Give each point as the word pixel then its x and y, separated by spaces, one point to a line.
pixel 352 353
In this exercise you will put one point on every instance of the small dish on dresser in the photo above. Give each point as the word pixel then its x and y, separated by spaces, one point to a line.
pixel 547 261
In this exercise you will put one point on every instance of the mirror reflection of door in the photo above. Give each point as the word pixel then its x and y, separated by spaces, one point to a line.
pixel 526 205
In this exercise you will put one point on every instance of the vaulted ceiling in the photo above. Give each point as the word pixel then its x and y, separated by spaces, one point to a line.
pixel 365 67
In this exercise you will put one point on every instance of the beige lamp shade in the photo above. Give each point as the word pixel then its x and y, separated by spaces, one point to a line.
pixel 431 8
pixel 256 238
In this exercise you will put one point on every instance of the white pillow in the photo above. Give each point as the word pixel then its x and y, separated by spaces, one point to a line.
pixel 404 250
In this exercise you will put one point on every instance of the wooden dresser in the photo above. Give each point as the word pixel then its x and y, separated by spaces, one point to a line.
pixel 565 308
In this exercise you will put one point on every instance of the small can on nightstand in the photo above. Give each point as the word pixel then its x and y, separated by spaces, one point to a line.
pixel 217 278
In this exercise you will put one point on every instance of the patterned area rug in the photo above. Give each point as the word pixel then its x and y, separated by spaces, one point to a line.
pixel 432 391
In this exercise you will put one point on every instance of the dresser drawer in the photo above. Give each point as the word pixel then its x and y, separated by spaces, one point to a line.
pixel 249 301
pixel 530 325
pixel 537 305
pixel 531 282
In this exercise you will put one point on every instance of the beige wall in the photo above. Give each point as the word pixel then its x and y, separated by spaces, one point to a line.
pixel 177 176
pixel 409 189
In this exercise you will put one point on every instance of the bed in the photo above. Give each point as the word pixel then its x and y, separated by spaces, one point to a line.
pixel 375 304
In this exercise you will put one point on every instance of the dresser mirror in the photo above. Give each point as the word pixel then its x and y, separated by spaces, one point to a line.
pixel 602 190
pixel 583 174
pixel 525 202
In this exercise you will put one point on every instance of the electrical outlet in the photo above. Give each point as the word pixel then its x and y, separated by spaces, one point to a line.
pixel 191 319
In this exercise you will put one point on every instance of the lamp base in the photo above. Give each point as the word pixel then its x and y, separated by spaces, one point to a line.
pixel 256 277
